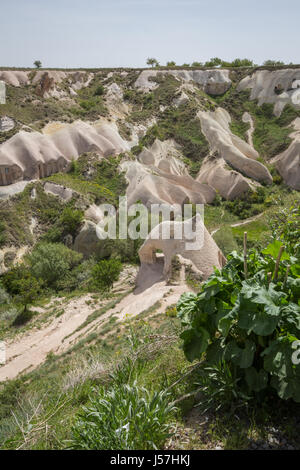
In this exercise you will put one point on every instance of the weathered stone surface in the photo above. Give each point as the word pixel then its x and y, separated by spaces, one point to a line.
pixel 288 162
pixel 87 240
pixel 279 87
pixel 204 258
pixel 159 176
pixel 32 155
pixel 235 151
pixel 57 190
pixel 229 183
pixel 6 123
pixel 214 82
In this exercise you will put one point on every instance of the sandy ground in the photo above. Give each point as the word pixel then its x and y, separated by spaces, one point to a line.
pixel 28 351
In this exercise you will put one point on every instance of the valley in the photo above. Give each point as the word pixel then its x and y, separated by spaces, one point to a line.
pixel 81 315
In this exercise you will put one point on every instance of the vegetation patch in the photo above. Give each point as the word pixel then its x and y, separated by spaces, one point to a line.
pixel 271 133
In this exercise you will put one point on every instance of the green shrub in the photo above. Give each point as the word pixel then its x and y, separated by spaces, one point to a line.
pixel 220 388
pixel 2 234
pixel 70 220
pixel 248 205
pixel 12 278
pixel 77 278
pixel 285 226
pixel 53 235
pixel 28 288
pixel 105 273
pixel 127 417
pixel 9 314
pixel 99 90
pixel 252 324
pixel 4 296
pixel 51 262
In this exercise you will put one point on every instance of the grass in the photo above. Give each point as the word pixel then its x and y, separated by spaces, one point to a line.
pixel 60 407
pixel 229 238
pixel 86 188
pixel 182 125
pixel 104 172
pixel 16 214
pixel 46 402
pixel 25 106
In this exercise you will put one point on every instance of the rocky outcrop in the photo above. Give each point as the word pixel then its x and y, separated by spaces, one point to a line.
pixel 15 77
pixel 213 82
pixel 6 124
pixel 288 162
pixel 235 151
pixel 280 87
pixel 47 81
pixel 204 258
pixel 63 193
pixel 87 240
pixel 227 182
pixel 32 155
pixel 10 256
pixel 159 176
pixel 115 103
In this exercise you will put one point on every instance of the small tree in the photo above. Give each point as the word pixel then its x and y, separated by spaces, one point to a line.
pixel 242 63
pixel 152 61
pixel 171 63
pixel 29 289
pixel 105 273
pixel 70 220
pixel 37 64
pixel 99 90
pixel 272 63
pixel 213 62
pixel 197 64
pixel 52 261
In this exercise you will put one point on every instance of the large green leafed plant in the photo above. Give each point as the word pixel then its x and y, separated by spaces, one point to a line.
pixel 251 323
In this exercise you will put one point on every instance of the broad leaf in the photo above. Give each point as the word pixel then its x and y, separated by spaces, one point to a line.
pixel 195 343
pixel 256 381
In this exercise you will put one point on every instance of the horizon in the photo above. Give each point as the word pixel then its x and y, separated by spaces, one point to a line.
pixel 89 36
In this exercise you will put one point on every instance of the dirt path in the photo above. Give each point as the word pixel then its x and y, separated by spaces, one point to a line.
pixel 130 306
pixel 31 349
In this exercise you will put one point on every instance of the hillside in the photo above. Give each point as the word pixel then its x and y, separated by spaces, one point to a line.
pixel 83 316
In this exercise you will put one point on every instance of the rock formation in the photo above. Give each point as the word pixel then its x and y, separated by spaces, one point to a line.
pixel 229 183
pixel 288 162
pixel 214 82
pixel 6 124
pixel 204 258
pixel 31 155
pixel 159 176
pixel 279 87
pixel 235 151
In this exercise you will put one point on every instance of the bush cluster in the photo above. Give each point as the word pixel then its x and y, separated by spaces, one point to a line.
pixel 248 325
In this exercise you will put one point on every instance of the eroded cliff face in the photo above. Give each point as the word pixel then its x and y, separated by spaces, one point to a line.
pixel 279 87
pixel 177 140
